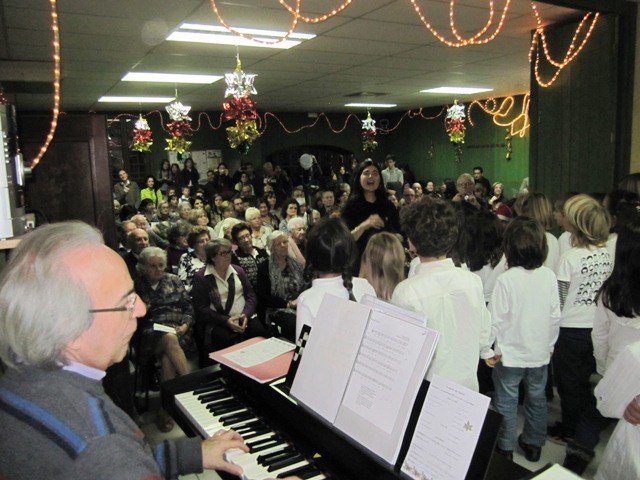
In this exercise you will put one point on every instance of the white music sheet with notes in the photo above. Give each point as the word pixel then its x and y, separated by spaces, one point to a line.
pixel 372 358
pixel 447 431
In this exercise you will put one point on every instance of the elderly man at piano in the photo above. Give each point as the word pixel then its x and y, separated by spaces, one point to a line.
pixel 67 312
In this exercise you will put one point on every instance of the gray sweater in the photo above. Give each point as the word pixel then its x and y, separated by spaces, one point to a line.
pixel 57 424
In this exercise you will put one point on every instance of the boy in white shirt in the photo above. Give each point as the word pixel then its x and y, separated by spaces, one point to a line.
pixel 451 298
pixel 525 313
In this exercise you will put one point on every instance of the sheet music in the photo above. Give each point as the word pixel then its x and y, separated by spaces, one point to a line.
pixel 447 431
pixel 259 352
pixel 333 345
pixel 158 327
pixel 383 367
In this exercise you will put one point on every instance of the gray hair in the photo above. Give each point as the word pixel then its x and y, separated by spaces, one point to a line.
pixel 295 222
pixel 146 254
pixel 43 307
pixel 211 250
pixel 273 237
pixel 251 213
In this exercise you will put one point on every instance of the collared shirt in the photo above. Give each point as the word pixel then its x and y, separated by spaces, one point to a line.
pixel 223 289
pixel 85 370
pixel 452 301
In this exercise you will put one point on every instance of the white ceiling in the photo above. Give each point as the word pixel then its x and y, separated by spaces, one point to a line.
pixel 375 46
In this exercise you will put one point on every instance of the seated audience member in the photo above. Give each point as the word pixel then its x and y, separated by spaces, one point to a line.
pixel 246 255
pixel 297 239
pixel 330 254
pixel 194 259
pixel 163 214
pixel 382 264
pixel 57 421
pixel 199 217
pixel 290 210
pixel 224 301
pixel 215 210
pixel 147 208
pixel 223 229
pixel 155 240
pixel 123 231
pixel 168 304
pixel 268 218
pixel 465 186
pixel 137 240
pixel 280 281
pixel 177 237
pixel 184 209
pixel 450 298
pixel 259 232
pixel 238 207
pixel 497 195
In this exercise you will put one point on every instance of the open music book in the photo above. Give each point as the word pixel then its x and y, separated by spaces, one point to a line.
pixel 362 368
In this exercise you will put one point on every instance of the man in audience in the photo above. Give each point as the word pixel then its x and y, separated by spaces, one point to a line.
pixel 137 240
pixel 238 207
pixel 466 186
pixel 408 196
pixel 246 255
pixel 123 231
pixel 126 191
pixel 328 201
pixel 478 176
pixel 57 421
pixel 392 176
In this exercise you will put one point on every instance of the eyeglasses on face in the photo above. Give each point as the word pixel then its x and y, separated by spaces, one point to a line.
pixel 129 306
pixel 244 237
pixel 224 253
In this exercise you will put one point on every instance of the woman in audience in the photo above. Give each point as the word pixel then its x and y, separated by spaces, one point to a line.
pixel 246 255
pixel 224 301
pixel 177 237
pixel 331 251
pixel 189 176
pixel 272 201
pixel 290 209
pixel 148 209
pixel 259 232
pixel 168 304
pixel 244 182
pixel 297 239
pixel 164 177
pixel 368 210
pixel 497 195
pixel 151 191
pixel 216 210
pixel 382 264
pixel 268 219
pixel 175 176
pixel 198 216
pixel 538 207
pixel 194 260
pixel 280 281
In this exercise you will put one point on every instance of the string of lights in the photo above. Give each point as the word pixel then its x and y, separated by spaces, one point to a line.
pixel 318 19
pixel 501 112
pixel 56 83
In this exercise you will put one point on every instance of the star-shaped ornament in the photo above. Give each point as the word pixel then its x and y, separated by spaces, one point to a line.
pixel 178 112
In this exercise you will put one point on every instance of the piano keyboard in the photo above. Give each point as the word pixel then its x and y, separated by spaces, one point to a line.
pixel 212 407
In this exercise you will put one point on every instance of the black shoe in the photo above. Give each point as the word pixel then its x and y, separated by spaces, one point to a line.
pixel 531 452
pixel 557 434
pixel 508 454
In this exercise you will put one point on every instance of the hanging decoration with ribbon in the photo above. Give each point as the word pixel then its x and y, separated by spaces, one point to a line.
pixel 241 109
pixel 179 128
pixel 142 140
pixel 369 132
pixel 455 128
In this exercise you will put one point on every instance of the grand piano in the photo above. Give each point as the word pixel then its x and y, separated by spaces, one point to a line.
pixel 285 439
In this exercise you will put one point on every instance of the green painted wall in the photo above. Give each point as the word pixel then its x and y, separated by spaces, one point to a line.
pixel 409 138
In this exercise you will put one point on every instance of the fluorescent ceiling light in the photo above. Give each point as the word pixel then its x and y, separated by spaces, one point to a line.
pixel 216 34
pixel 457 90
pixel 169 78
pixel 108 99
pixel 371 105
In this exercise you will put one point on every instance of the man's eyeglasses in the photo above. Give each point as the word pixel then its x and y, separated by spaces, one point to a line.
pixel 128 307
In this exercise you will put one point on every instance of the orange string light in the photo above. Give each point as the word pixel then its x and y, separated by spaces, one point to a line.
pixel 319 19
pixel 539 37
pixel 56 84
pixel 518 126
pixel 474 40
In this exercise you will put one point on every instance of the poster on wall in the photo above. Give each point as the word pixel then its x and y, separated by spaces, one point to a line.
pixel 203 160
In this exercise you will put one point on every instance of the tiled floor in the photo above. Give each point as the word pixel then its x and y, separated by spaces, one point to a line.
pixel 551 453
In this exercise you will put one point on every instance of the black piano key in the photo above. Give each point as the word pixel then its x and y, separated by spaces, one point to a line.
pixel 305 471
pixel 285 462
pixel 255 443
pixel 255 433
pixel 266 446
pixel 236 417
pixel 250 426
pixel 213 396
pixel 213 384
pixel 219 410
pixel 262 459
